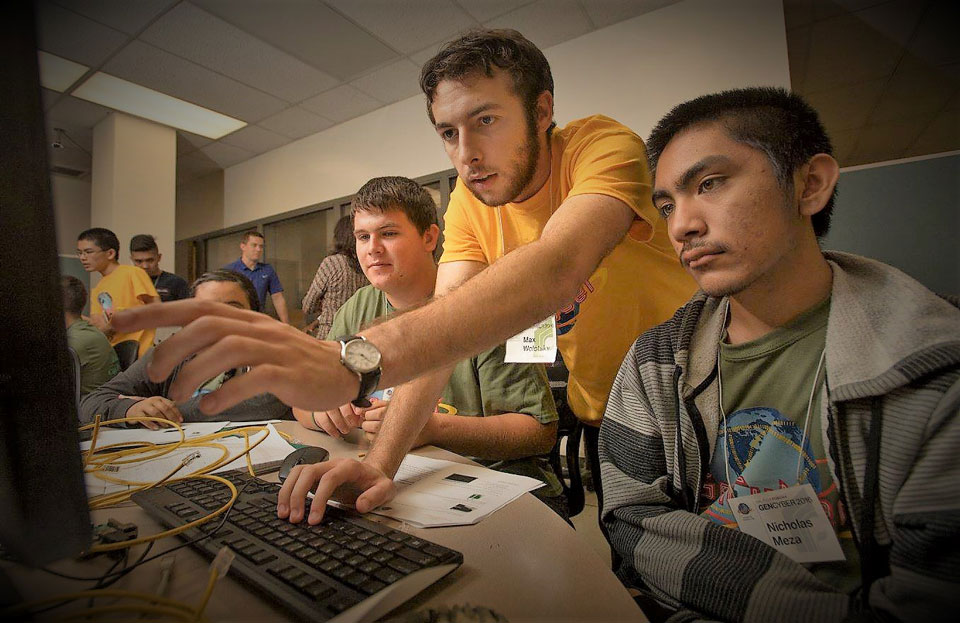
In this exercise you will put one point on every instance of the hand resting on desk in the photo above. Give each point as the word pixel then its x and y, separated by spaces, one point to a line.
pixel 336 422
pixel 344 480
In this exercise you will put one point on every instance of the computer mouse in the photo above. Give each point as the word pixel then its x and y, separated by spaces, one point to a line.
pixel 302 456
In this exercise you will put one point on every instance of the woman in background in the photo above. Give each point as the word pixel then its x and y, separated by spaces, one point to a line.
pixel 337 278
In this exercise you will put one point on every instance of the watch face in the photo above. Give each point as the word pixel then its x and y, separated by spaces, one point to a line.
pixel 361 356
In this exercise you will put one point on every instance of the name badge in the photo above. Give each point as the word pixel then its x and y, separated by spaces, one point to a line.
pixel 538 344
pixel 790 520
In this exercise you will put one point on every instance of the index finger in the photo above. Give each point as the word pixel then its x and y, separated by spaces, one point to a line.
pixel 177 314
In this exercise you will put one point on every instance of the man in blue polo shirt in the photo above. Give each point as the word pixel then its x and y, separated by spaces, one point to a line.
pixel 262 275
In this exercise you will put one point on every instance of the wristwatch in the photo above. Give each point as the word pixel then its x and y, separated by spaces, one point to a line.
pixel 362 358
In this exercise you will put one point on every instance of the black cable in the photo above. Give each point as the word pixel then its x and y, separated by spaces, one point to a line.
pixel 144 561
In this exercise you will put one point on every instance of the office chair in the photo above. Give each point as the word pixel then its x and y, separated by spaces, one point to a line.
pixel 569 428
pixel 75 358
pixel 127 352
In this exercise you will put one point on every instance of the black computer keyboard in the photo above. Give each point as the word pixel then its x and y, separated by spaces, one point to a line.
pixel 346 568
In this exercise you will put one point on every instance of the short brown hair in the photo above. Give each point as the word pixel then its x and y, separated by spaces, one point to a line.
pixel 247 235
pixel 74 294
pixel 397 193
pixel 482 50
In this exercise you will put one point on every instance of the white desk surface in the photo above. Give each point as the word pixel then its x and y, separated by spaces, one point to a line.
pixel 524 562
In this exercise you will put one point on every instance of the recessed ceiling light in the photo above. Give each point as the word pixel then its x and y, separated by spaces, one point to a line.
pixel 128 97
pixel 57 74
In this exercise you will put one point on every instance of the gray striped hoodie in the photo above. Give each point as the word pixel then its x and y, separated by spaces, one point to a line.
pixel 891 430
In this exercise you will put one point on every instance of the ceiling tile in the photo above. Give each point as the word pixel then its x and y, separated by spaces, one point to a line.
pixel 844 142
pixel 392 83
pixel 420 58
pixel 75 37
pixel 845 50
pixel 894 20
pixel 123 15
pixel 798 53
pixel 194 165
pixel 546 22
pixel 255 139
pixel 606 12
pixel 226 155
pixel 915 89
pixel 341 103
pixel 188 142
pixel 943 134
pixel 151 67
pixel 78 112
pixel 482 10
pixel 295 122
pixel 848 107
pixel 207 40
pixel 824 9
pixel 887 141
pixel 48 98
pixel 309 30
pixel 410 27
pixel 936 39
pixel 797 13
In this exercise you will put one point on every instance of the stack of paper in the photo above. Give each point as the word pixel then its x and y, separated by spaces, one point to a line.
pixel 432 493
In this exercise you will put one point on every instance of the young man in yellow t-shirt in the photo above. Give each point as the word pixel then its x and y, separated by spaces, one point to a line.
pixel 590 248
pixel 121 287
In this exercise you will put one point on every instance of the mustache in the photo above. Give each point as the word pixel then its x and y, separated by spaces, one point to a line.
pixel 698 245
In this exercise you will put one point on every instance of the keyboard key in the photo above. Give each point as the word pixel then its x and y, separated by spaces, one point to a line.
pixel 318 590
pixel 387 575
pixel 315 560
pixel 262 557
pixel 414 556
pixel 367 550
pixel 302 581
pixel 355 560
pixel 369 567
pixel 379 540
pixel 356 578
pixel 402 565
pixel 329 565
pixel 341 572
pixel 371 586
pixel 382 556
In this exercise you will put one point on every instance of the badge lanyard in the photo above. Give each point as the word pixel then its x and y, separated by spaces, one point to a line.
pixel 806 423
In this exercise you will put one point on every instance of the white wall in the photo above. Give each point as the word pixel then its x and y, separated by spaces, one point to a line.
pixel 71 210
pixel 634 71
pixel 200 205
pixel 134 181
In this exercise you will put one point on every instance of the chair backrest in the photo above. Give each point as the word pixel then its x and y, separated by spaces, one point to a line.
pixel 127 352
pixel 75 358
pixel 570 429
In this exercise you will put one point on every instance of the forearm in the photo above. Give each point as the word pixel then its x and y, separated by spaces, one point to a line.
pixel 410 408
pixel 490 304
pixel 305 419
pixel 495 437
pixel 280 304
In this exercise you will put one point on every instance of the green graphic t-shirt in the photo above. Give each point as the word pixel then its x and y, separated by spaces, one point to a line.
pixel 479 386
pixel 766 389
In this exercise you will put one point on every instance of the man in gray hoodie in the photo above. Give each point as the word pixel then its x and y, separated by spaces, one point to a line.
pixel 783 448
pixel 131 393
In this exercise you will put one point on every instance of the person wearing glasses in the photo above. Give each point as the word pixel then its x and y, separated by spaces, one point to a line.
pixel 121 286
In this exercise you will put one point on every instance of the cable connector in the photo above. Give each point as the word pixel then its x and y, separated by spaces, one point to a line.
pixel 221 563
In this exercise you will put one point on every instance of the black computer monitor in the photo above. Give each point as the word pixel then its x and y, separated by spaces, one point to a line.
pixel 43 506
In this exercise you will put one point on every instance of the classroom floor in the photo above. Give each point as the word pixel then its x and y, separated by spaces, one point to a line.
pixel 588 529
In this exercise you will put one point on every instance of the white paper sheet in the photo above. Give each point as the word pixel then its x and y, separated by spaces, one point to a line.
pixel 432 493
pixel 108 435
pixel 273 448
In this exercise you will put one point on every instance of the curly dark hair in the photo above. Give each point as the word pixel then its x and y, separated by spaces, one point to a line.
pixel 773 120
pixel 74 294
pixel 480 51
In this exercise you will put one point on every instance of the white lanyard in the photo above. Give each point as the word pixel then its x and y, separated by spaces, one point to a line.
pixel 806 422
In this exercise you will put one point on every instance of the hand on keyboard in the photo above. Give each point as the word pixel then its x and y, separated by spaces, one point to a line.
pixel 344 480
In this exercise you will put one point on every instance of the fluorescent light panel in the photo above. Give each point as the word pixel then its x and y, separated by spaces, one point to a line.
pixel 57 74
pixel 128 97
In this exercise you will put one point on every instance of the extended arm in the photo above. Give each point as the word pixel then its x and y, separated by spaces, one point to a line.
pixel 280 304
